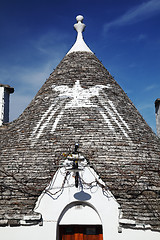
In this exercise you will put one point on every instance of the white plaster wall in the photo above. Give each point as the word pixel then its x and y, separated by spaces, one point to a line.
pixel 57 207
pixel 47 232
pixel 81 214
pixel 158 119
pixel 6 105
pixel 1 104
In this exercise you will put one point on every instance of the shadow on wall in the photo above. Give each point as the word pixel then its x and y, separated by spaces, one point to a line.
pixel 82 196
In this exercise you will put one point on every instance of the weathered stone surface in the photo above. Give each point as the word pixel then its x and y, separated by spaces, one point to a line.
pixel 112 135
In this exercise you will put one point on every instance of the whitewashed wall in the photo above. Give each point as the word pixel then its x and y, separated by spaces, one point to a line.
pixel 58 206
pixel 4 105
pixel 157 111
pixel 1 105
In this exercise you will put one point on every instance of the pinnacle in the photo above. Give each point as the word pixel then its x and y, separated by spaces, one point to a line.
pixel 79 45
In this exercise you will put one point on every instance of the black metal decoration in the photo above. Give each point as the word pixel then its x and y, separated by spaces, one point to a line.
pixel 75 165
pixel 76 158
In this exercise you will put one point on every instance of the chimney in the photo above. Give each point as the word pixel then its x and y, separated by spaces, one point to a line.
pixel 157 110
pixel 5 91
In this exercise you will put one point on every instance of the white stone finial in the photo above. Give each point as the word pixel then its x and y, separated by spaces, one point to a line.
pixel 79 18
pixel 80 45
pixel 79 26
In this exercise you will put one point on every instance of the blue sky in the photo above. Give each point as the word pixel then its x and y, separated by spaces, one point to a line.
pixel 124 34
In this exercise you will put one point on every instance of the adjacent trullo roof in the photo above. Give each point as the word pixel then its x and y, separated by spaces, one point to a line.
pixel 80 103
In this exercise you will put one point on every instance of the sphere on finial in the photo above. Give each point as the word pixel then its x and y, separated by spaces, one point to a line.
pixel 79 26
pixel 79 18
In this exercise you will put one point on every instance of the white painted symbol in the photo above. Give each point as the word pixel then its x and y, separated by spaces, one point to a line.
pixel 79 97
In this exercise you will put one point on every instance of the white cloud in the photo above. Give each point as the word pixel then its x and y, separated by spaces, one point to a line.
pixel 145 106
pixel 141 37
pixel 28 79
pixel 18 103
pixel 51 43
pixel 27 82
pixel 132 65
pixel 151 87
pixel 135 15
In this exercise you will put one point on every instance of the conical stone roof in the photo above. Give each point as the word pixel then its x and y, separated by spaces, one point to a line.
pixel 81 103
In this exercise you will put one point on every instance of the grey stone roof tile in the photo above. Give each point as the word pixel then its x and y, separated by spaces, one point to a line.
pixel 111 133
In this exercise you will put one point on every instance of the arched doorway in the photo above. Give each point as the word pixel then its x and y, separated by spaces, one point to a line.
pixel 79 222
pixel 80 232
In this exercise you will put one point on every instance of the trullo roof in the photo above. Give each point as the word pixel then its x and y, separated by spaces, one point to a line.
pixel 80 103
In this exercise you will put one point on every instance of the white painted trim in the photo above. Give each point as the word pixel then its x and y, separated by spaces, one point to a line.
pixel 74 214
pixel 52 204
